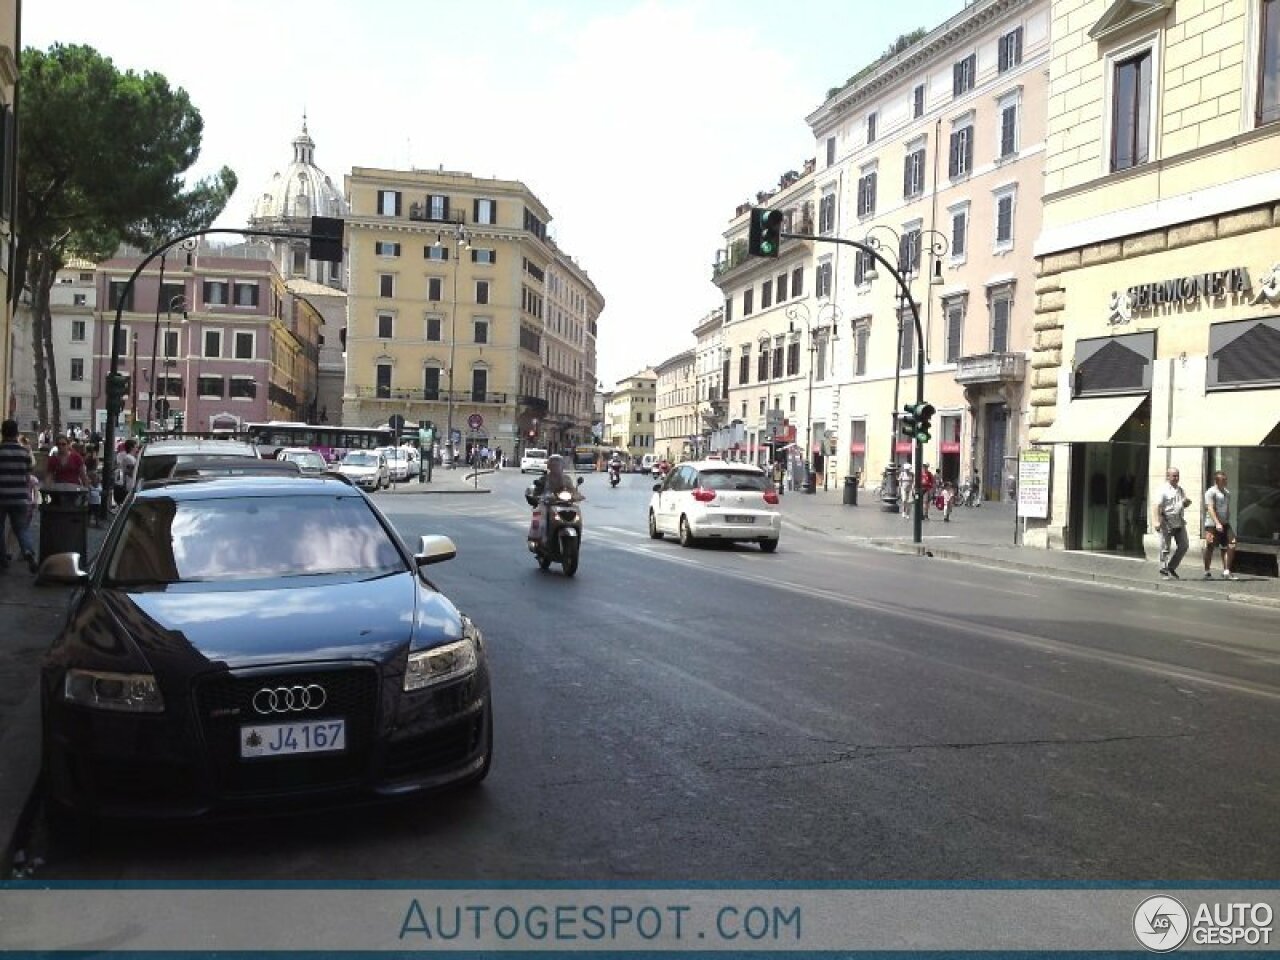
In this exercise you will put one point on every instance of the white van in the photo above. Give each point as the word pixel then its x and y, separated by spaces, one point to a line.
pixel 648 462
pixel 534 460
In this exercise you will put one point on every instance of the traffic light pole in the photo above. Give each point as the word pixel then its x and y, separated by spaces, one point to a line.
pixel 917 518
pixel 115 388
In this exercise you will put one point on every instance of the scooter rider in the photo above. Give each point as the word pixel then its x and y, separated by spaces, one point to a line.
pixel 554 481
pixel 615 468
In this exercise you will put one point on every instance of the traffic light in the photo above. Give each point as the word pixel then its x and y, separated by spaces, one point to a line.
pixel 179 419
pixel 915 421
pixel 765 233
pixel 326 239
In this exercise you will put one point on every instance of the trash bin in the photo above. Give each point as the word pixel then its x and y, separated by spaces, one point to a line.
pixel 810 482
pixel 64 520
pixel 851 491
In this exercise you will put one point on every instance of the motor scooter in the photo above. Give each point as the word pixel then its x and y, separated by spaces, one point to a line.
pixel 615 475
pixel 555 536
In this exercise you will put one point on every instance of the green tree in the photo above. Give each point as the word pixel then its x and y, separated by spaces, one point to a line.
pixel 101 159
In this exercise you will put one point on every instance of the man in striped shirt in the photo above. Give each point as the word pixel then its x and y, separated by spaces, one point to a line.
pixel 15 494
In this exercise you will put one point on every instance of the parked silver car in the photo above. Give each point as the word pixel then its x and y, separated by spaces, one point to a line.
pixel 366 468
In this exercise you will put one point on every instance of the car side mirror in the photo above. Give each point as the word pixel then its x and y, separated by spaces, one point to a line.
pixel 580 479
pixel 434 548
pixel 657 488
pixel 62 568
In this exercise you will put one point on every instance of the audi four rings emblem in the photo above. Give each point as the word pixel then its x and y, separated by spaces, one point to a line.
pixel 289 699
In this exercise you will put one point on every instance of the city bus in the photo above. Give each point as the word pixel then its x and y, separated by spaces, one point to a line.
pixel 588 457
pixel 331 442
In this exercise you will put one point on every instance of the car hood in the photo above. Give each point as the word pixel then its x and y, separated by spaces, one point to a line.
pixel 368 620
pixel 356 468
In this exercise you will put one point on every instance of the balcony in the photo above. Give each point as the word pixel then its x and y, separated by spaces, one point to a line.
pixel 991 368
pixel 426 396
pixel 538 406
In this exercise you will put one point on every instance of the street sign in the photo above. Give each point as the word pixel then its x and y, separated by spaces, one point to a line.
pixel 1035 469
pixel 396 423
pixel 773 420
pixel 475 421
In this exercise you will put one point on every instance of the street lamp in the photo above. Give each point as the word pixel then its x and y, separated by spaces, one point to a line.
pixel 176 302
pixel 461 241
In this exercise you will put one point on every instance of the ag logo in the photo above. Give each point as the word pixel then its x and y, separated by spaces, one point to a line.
pixel 1161 924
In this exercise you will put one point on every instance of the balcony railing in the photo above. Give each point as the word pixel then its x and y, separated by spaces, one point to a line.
pixel 427 396
pixel 991 368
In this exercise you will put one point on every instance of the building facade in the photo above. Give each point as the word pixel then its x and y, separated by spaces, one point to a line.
pixel 9 53
pixel 1158 300
pixel 675 434
pixel 72 300
pixel 711 383
pixel 933 156
pixel 573 308
pixel 447 310
pixel 631 414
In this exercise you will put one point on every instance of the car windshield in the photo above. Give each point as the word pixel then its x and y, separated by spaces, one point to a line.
pixel 535 454
pixel 308 461
pixel 243 538
pixel 361 459
pixel 732 480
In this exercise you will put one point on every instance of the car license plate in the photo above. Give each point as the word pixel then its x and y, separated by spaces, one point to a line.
pixel 737 518
pixel 286 739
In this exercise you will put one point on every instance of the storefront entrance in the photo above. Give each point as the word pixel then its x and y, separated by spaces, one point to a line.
pixel 996 431
pixel 1109 489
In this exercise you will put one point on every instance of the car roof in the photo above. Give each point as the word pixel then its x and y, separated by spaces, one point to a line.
pixel 223 448
pixel 223 488
pixel 724 465
pixel 283 450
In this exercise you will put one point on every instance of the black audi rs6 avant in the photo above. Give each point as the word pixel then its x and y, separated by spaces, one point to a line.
pixel 244 643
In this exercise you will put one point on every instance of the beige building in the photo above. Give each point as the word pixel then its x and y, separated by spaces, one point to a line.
pixel 675 435
pixel 448 309
pixel 573 311
pixel 711 386
pixel 8 190
pixel 631 414
pixel 769 311
pixel 934 157
pixel 1158 301
pixel 72 300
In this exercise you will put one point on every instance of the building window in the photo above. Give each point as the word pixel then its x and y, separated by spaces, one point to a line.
pixel 246 294
pixel 871 128
pixel 793 358
pixel 382 382
pixel 822 286
pixel 827 213
pixel 386 326
pixel 242 388
pixel 79 300
pixel 1131 111
pixel 1010 50
pixel 1269 64
pixel 437 207
pixel 170 343
pixel 433 328
pixel 483 256
pixel 1004 218
pixel 917 101
pixel 744 366
pixel 862 262
pixel 383 249
pixel 77 331
pixel 77 368
pixel 215 292
pixel 386 285
pixel 766 295
pixel 778 358
pixel 76 403
pixel 748 302
pixel 436 252
pixel 1009 110
pixel 244 345
pixel 1001 309
pixel 907 355
pixel 909 249
pixel 867 194
pixel 861 340
pixel 962 75
pixel 960 162
pixel 210 387
pixel 482 291
pixel 480 330
pixel 213 343
pixel 959 233
pixel 955 329
pixel 831 151
pixel 300 260
pixel 389 203
pixel 797 282
pixel 762 362
pixel 913 173
pixel 479 384
pixel 781 286
pixel 431 383
pixel 434 287
pixel 484 211
pixel 115 293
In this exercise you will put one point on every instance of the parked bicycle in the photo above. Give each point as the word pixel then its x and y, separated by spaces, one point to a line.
pixel 968 495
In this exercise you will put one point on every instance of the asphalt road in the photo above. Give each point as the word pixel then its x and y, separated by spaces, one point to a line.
pixel 823 713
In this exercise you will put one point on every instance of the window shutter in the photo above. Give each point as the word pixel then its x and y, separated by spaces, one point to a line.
pixel 1017 47
pixel 397 203
pixel 956 89
pixel 953 160
pixel 1004 219
pixel 906 175
pixel 446 208
pixel 958 224
pixel 871 193
pixel 953 334
pixel 968 149
pixel 1008 124
pixel 1000 326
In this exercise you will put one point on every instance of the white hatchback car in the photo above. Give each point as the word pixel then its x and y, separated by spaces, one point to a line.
pixel 534 460
pixel 716 500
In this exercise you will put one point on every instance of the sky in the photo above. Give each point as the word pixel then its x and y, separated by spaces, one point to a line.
pixel 640 125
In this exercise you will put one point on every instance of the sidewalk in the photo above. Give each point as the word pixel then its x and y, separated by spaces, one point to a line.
pixel 443 480
pixel 985 536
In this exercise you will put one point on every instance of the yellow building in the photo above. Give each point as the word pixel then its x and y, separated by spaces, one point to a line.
pixel 631 414
pixel 447 309
pixel 8 189
pixel 675 435
pixel 1158 300
pixel 573 310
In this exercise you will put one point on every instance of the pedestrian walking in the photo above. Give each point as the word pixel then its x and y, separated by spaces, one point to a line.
pixel 16 466
pixel 66 465
pixel 906 489
pixel 126 465
pixel 1217 527
pixel 1172 526
pixel 927 483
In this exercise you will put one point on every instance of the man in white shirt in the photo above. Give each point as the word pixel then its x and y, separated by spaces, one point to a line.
pixel 1217 527
pixel 1170 503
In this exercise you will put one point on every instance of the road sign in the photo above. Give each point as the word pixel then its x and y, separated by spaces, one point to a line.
pixel 396 423
pixel 773 420
pixel 475 421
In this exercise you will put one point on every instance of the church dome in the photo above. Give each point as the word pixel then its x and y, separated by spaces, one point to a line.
pixel 301 190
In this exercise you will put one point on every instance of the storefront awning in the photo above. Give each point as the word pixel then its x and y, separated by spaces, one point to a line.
pixel 1237 418
pixel 1092 419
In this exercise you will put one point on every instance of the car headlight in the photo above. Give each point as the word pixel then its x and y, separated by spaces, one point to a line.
pixel 126 692
pixel 448 662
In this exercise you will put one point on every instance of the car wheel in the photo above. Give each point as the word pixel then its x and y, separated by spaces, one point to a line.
pixel 768 546
pixel 654 532
pixel 687 539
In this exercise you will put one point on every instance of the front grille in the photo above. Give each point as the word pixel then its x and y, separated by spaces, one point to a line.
pixel 225 702
pixel 436 752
